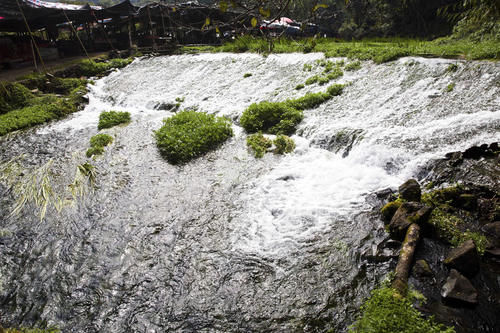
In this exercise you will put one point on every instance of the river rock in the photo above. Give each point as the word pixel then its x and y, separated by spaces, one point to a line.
pixel 464 258
pixel 422 269
pixel 459 288
pixel 493 229
pixel 410 191
pixel 408 213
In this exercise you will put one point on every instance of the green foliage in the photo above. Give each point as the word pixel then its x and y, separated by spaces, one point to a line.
pixel 247 75
pixel 386 312
pixel 379 50
pixel 353 66
pixel 97 144
pixel 271 117
pixel 190 134
pixel 95 68
pixel 13 96
pixel 283 117
pixel 50 84
pixel 30 116
pixel 284 144
pixel 112 118
pixel 307 67
pixel 312 80
pixel 259 144
pixel 32 330
pixel 450 87
pixel 299 86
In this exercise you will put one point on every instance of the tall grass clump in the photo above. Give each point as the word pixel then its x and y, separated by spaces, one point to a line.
pixel 108 119
pixel 190 134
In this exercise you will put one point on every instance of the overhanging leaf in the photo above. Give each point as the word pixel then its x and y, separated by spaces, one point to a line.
pixel 253 22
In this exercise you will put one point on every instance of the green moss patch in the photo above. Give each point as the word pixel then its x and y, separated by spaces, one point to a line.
pixel 283 117
pixel 353 66
pixel 13 96
pixel 284 144
pixel 259 144
pixel 97 144
pixel 190 134
pixel 32 330
pixel 384 311
pixel 110 119
pixel 390 209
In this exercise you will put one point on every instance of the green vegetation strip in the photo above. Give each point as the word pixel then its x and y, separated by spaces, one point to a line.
pixel 385 311
pixel 190 134
pixel 283 117
pixel 97 144
pixel 110 119
pixel 378 50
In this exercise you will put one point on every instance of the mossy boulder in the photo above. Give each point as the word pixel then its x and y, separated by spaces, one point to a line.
pixel 410 191
pixel 271 117
pixel 407 214
pixel 190 134
pixel 390 209
pixel 13 96
pixel 259 144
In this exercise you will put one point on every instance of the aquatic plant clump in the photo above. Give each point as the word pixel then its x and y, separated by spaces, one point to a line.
pixel 284 144
pixel 110 119
pixel 190 134
pixel 259 144
pixel 97 144
pixel 271 117
pixel 384 311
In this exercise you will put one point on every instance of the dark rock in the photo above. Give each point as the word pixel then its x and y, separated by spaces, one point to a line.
pixel 488 210
pixel 410 191
pixel 384 194
pixel 455 158
pixel 476 152
pixel 492 229
pixel 494 147
pixel 464 258
pixel 408 213
pixel 459 288
pixel 494 252
pixel 422 268
pixel 467 201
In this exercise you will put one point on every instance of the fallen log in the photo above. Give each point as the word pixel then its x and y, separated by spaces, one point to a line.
pixel 403 267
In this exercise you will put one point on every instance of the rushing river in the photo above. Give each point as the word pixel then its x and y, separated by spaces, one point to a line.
pixel 230 243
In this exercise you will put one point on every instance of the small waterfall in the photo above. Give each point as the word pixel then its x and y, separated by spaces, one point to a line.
pixel 230 243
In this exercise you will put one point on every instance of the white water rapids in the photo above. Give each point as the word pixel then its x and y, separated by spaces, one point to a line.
pixel 230 243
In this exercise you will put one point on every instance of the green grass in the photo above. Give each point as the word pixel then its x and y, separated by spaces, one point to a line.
pixel 190 134
pixel 353 66
pixel 284 144
pixel 283 117
pixel 259 144
pixel 108 119
pixel 386 312
pixel 13 96
pixel 97 144
pixel 378 50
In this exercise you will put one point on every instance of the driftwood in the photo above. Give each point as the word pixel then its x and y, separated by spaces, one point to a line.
pixel 403 267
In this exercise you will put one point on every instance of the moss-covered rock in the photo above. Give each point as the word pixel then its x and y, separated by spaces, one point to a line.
pixel 390 209
pixel 284 144
pixel 259 144
pixel 13 96
pixel 271 117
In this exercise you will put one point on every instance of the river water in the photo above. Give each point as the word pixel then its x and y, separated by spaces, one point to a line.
pixel 230 243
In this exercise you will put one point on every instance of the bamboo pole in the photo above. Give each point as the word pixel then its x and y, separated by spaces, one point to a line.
pixel 76 34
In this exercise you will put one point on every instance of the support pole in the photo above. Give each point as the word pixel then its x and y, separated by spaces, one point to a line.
pixel 34 57
pixel 76 34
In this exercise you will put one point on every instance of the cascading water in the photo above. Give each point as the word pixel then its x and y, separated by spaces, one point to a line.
pixel 228 243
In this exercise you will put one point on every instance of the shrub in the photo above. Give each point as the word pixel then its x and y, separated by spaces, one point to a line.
pixel 284 144
pixel 190 134
pixel 274 118
pixel 13 96
pixel 94 151
pixel 112 118
pixel 259 144
pixel 384 311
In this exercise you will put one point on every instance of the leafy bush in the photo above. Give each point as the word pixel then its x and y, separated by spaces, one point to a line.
pixel 284 144
pixel 13 96
pixel 112 118
pixel 384 311
pixel 259 144
pixel 274 118
pixel 190 134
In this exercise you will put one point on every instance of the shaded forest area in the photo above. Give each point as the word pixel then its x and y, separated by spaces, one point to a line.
pixel 357 19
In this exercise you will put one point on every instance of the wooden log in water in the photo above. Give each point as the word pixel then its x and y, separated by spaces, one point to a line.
pixel 403 267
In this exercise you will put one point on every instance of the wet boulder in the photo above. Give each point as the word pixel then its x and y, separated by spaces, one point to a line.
pixel 406 214
pixel 458 288
pixel 410 191
pixel 464 258
pixel 422 269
